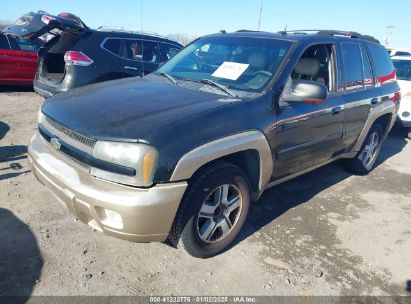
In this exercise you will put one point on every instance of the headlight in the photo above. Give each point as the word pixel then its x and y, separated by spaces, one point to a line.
pixel 140 157
pixel 40 117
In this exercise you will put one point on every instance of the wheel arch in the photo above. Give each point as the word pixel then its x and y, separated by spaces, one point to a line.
pixel 384 113
pixel 248 150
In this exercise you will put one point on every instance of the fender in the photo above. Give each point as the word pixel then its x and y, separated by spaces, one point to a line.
pixel 381 109
pixel 250 140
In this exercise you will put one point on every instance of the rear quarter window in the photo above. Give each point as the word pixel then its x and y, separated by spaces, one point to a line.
pixel 112 45
pixel 383 66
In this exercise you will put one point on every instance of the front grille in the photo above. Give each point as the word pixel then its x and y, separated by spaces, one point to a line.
pixel 80 138
pixel 71 137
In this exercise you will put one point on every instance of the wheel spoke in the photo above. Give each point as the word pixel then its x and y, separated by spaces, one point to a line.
pixel 233 204
pixel 208 229
pixel 363 155
pixel 225 225
pixel 207 210
pixel 221 194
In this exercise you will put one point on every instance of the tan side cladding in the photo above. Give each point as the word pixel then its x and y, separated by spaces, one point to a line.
pixel 250 140
pixel 386 107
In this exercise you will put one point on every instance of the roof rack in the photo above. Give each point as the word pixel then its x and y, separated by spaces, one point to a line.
pixel 247 31
pixel 332 33
pixel 120 29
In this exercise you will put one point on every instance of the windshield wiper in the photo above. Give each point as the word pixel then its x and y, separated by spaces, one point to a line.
pixel 217 85
pixel 169 77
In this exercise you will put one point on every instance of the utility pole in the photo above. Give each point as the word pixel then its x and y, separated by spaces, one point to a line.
pixel 261 12
pixel 388 34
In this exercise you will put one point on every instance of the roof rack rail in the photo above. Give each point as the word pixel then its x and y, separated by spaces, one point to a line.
pixel 333 33
pixel 120 29
pixel 247 31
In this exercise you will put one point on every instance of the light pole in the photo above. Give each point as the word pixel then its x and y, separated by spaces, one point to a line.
pixel 388 34
pixel 261 12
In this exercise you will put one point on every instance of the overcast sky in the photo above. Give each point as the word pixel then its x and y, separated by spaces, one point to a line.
pixel 209 16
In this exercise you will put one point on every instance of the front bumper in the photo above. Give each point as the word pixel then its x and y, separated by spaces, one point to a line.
pixel 147 214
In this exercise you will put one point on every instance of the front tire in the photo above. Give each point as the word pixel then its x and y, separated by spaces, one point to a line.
pixel 365 160
pixel 213 211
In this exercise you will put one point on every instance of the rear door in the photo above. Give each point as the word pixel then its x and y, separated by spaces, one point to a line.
pixel 358 84
pixel 141 56
pixel 33 25
pixel 25 53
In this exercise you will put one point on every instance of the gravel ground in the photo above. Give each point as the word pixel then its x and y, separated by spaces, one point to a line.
pixel 324 233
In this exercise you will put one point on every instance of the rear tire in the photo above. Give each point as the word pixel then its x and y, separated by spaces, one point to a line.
pixel 213 211
pixel 365 160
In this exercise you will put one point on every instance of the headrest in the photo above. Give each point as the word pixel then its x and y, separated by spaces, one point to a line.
pixel 307 66
pixel 258 60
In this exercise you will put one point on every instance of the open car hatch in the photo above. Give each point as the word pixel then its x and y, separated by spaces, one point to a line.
pixel 33 25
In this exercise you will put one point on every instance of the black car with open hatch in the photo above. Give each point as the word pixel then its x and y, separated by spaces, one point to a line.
pixel 76 55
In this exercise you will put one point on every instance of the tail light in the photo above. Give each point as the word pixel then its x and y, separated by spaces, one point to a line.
pixel 396 97
pixel 77 58
pixel 46 19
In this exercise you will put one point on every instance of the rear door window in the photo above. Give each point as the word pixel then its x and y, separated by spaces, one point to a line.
pixel 383 66
pixel 142 50
pixel 168 51
pixel 113 45
pixel 353 69
pixel 4 44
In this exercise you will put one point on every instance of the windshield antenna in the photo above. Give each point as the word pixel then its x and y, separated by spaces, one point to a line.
pixel 142 39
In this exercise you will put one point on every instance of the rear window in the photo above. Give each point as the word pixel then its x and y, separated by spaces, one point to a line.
pixel 383 66
pixel 352 66
pixel 113 45
pixel 4 44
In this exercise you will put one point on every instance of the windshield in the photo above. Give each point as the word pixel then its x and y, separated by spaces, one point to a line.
pixel 403 68
pixel 237 63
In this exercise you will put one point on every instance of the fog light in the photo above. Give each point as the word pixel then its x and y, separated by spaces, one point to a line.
pixel 110 218
pixel 405 114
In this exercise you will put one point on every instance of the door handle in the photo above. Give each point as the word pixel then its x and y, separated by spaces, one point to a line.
pixel 131 68
pixel 336 110
pixel 374 101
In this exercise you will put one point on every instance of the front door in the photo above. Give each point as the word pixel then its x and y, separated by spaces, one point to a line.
pixel 308 134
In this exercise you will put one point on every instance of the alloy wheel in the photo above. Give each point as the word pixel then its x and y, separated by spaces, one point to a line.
pixel 219 213
pixel 370 150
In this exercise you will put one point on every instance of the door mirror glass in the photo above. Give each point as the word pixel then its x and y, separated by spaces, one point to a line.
pixel 305 91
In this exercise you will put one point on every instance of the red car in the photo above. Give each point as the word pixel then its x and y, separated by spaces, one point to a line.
pixel 18 60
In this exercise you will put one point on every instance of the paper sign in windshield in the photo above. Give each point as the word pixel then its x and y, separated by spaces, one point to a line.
pixel 230 70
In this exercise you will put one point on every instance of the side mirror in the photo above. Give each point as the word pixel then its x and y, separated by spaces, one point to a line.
pixel 306 91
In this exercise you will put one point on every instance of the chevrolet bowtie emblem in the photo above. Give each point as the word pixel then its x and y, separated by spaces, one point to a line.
pixel 55 143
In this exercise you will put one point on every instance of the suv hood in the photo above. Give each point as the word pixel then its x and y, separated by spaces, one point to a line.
pixel 127 109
